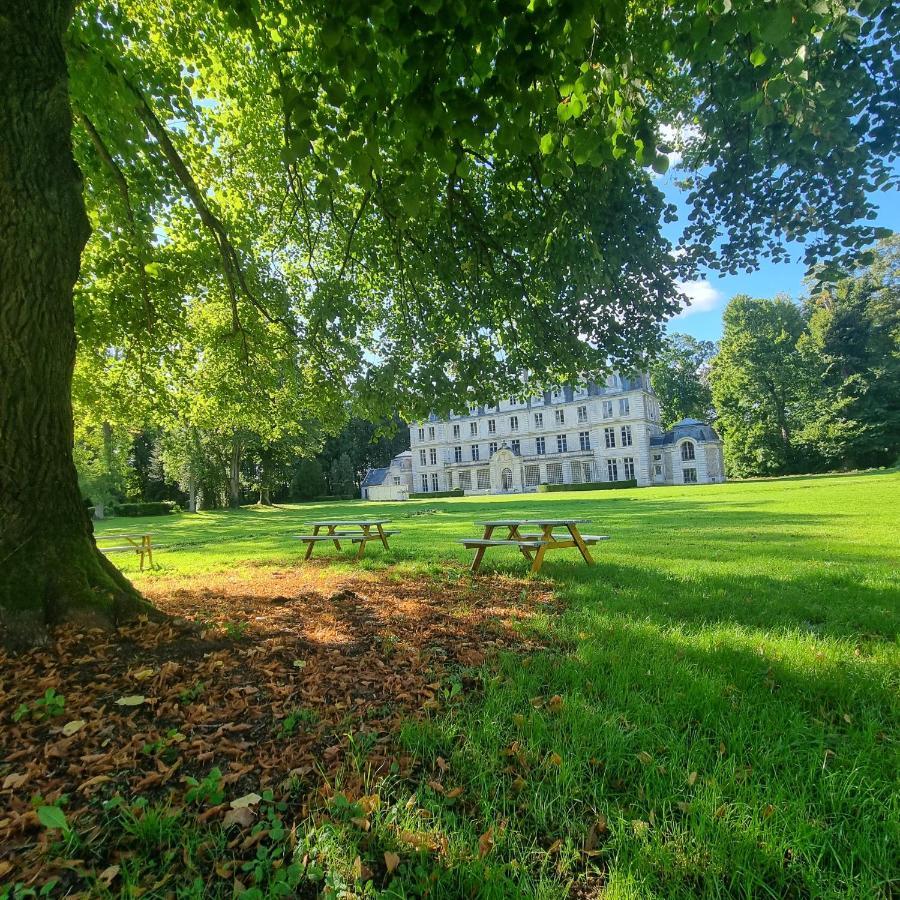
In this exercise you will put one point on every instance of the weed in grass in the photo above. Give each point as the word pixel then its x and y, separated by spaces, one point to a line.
pixel 296 717
pixel 207 792
pixel 48 706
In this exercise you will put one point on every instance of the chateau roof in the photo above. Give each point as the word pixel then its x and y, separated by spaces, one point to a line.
pixel 686 428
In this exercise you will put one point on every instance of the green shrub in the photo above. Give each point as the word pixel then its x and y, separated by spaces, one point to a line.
pixel 587 486
pixel 434 495
pixel 150 508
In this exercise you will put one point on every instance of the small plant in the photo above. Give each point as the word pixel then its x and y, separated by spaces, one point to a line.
pixel 387 644
pixel 452 690
pixel 295 717
pixel 189 695
pixel 235 630
pixel 46 707
pixel 207 792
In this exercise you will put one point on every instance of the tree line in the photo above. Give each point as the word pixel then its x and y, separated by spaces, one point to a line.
pixel 194 469
pixel 796 387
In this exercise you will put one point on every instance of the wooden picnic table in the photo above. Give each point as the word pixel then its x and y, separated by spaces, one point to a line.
pixel 141 544
pixel 533 546
pixel 337 530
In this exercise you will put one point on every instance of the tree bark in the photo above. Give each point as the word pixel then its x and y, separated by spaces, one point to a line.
pixel 50 569
pixel 234 473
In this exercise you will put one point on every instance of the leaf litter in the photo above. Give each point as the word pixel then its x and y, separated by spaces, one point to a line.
pixel 267 679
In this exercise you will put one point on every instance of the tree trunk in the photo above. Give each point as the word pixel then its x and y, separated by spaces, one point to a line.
pixel 234 473
pixel 50 569
pixel 192 494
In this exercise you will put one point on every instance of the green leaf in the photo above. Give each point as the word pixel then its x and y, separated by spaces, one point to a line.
pixel 548 143
pixel 52 817
pixel 758 57
pixel 661 164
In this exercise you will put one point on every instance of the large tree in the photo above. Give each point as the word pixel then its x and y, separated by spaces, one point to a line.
pixel 852 349
pixel 463 195
pixel 679 375
pixel 758 384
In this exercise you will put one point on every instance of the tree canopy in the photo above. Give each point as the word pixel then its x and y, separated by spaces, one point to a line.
pixel 422 199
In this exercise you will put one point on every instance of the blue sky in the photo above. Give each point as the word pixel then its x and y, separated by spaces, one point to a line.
pixel 703 319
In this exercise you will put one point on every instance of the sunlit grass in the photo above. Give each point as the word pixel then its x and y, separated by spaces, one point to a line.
pixel 727 676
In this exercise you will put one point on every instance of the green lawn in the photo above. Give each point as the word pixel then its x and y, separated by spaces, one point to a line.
pixel 728 674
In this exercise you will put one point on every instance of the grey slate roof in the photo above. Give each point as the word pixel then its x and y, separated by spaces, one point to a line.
pixel 686 428
pixel 374 476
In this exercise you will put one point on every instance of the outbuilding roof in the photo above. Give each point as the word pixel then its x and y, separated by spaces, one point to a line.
pixel 374 476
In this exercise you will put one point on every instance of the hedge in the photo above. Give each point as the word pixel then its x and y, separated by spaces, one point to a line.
pixel 434 495
pixel 154 508
pixel 587 486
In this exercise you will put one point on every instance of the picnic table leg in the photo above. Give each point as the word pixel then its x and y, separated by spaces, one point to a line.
pixel 479 552
pixel 149 547
pixel 576 536
pixel 311 544
pixel 546 535
pixel 383 537
pixel 362 543
pixel 516 535
pixel 331 530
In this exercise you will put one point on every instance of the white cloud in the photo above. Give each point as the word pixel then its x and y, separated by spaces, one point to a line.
pixel 701 297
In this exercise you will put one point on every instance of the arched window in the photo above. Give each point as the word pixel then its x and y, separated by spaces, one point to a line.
pixel 687 450
pixel 506 479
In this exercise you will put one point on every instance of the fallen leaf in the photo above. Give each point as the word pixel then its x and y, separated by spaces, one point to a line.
pixel 71 727
pixel 454 793
pixel 107 876
pixel 131 700
pixel 518 720
pixel 554 759
pixel 245 801
pixel 722 748
pixel 768 809
pixel 519 784
pixel 486 842
pixel 692 779
pixel 391 861
pixel 142 674
pixel 555 704
pixel 645 757
pixel 243 816
pixel 361 823
pixel 14 780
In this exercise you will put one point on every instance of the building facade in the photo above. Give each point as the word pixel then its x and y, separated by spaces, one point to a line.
pixel 393 482
pixel 592 433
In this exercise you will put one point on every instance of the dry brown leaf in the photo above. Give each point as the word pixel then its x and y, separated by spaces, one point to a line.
pixel 391 861
pixel 246 800
pixel 486 842
pixel 243 816
pixel 554 759
pixel 107 876
pixel 555 703
pixel 15 780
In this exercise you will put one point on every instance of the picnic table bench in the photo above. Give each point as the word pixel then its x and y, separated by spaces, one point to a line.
pixel 141 544
pixel 533 546
pixel 337 530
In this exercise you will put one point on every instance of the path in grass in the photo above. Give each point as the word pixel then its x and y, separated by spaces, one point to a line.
pixel 719 715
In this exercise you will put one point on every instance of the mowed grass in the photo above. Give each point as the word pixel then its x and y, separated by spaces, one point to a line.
pixel 717 714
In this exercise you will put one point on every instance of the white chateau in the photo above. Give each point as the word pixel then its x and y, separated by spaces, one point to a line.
pixel 592 433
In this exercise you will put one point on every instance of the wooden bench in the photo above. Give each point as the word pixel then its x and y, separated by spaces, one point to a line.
pixel 140 544
pixel 370 530
pixel 533 546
